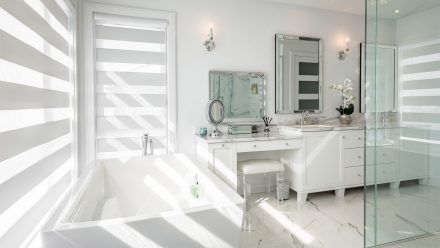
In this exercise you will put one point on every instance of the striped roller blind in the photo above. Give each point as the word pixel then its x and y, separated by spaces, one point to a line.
pixel 36 115
pixel 420 85
pixel 130 85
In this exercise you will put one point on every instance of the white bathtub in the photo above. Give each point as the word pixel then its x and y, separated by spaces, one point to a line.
pixel 146 202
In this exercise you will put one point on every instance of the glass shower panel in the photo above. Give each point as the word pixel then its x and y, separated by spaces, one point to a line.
pixel 402 155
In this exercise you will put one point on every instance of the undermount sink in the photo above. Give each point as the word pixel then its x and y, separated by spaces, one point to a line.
pixel 314 127
pixel 310 128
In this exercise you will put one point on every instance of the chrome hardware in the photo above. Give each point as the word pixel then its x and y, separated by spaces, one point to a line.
pixel 147 145
pixel 255 146
pixel 223 145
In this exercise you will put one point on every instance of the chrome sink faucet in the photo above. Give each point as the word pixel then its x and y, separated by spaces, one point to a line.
pixel 305 117
pixel 147 145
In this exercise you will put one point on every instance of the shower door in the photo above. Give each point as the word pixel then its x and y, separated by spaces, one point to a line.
pixel 402 155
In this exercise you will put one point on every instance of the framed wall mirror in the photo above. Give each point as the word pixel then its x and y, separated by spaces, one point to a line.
pixel 242 94
pixel 298 74
pixel 384 72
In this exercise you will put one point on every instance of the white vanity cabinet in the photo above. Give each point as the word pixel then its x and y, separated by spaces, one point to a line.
pixel 223 161
pixel 322 161
pixel 317 166
pixel 220 154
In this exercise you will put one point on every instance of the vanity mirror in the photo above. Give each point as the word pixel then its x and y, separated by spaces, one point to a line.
pixel 242 94
pixel 216 114
pixel 298 74
pixel 384 72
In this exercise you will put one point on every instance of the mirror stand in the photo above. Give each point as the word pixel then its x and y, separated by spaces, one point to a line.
pixel 216 132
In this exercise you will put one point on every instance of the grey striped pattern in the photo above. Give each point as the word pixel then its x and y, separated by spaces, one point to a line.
pixel 130 86
pixel 420 89
pixel 36 134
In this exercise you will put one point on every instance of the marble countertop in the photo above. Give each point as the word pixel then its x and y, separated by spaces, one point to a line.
pixel 340 127
pixel 321 127
pixel 230 138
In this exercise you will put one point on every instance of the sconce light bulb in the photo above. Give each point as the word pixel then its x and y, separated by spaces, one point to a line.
pixel 347 39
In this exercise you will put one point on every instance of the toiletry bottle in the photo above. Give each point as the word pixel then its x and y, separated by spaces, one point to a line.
pixel 195 188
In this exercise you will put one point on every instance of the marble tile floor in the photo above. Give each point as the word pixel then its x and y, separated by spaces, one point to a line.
pixel 425 242
pixel 327 221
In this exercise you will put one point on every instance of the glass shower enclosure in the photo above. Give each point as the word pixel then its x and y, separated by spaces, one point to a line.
pixel 401 92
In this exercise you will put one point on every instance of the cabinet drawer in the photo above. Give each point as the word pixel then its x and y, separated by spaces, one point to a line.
pixel 387 172
pixel 271 145
pixel 353 157
pixel 354 175
pixel 384 155
pixel 353 139
pixel 383 172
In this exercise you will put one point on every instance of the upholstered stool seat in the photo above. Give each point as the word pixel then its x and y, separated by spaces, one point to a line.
pixel 259 166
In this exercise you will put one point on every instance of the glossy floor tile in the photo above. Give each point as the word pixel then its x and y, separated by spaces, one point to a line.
pixel 332 222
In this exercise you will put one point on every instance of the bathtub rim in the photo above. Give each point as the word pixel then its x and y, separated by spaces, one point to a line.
pixel 79 190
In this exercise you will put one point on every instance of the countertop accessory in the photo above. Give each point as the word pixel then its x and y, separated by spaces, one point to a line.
pixel 203 131
pixel 240 129
pixel 345 119
pixel 216 114
pixel 267 120
pixel 347 107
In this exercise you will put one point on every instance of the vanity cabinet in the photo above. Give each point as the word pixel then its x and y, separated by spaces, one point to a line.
pixel 220 154
pixel 322 161
pixel 221 159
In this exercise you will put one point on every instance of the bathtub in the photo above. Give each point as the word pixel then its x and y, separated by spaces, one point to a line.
pixel 147 202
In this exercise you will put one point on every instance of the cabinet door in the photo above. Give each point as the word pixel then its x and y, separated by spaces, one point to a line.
pixel 224 162
pixel 323 161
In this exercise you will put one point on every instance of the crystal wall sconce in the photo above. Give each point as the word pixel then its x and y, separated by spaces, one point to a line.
pixel 346 51
pixel 209 43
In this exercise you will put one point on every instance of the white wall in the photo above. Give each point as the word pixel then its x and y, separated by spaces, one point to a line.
pixel 244 32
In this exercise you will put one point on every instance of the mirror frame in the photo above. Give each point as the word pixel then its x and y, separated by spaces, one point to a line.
pixel 262 94
pixel 209 112
pixel 362 94
pixel 320 77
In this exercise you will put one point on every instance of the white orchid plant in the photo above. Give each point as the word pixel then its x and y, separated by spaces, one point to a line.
pixel 346 91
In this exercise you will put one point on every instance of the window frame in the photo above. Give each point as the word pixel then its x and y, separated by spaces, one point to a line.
pixel 88 127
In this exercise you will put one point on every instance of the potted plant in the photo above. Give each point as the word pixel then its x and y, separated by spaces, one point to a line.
pixel 347 107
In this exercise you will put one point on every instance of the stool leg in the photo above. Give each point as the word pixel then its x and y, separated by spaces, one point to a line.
pixel 246 191
pixel 280 181
pixel 267 181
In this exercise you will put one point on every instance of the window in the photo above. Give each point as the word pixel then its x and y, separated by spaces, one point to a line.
pixel 132 85
pixel 37 110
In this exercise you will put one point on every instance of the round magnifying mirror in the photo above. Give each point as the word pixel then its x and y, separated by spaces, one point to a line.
pixel 216 115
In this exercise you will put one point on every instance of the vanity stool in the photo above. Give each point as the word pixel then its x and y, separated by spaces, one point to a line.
pixel 260 166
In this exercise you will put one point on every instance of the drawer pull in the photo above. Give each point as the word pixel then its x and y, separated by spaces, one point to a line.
pixel 287 144
pixel 384 172
pixel 359 175
pixel 255 146
pixel 359 138
pixel 223 145
pixel 384 154
pixel 343 137
pixel 359 157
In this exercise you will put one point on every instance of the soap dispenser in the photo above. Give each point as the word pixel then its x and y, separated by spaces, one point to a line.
pixel 195 187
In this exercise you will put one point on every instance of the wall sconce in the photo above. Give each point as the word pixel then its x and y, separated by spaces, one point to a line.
pixel 344 53
pixel 209 43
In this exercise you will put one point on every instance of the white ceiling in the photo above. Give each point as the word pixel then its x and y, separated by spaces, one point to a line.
pixel 386 10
